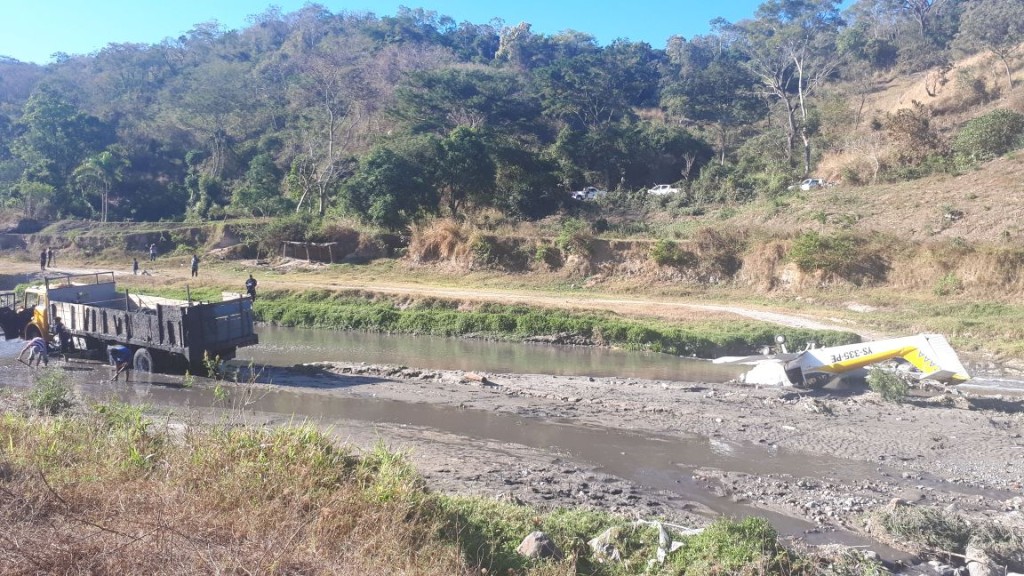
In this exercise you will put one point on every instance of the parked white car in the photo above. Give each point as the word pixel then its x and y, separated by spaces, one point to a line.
pixel 812 184
pixel 589 193
pixel 662 189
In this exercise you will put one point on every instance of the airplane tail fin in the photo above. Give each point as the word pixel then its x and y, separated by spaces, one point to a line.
pixel 935 358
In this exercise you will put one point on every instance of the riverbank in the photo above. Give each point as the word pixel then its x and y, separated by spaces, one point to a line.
pixel 113 487
pixel 823 466
pixel 832 459
pixel 931 453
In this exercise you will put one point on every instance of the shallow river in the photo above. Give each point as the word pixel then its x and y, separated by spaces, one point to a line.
pixel 648 460
pixel 287 346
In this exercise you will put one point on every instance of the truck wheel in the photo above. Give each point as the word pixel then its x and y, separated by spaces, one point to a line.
pixel 143 361
pixel 32 331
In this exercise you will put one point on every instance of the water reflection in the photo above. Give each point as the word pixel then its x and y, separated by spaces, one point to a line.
pixel 286 346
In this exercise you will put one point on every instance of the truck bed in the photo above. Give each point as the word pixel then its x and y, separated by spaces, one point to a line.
pixel 98 312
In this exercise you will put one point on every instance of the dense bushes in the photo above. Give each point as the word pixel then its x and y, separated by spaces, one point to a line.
pixel 668 253
pixel 988 137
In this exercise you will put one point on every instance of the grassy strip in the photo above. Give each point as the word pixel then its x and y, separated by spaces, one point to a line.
pixel 108 490
pixel 359 311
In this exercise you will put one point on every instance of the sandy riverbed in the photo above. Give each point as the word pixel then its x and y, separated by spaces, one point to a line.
pixel 961 453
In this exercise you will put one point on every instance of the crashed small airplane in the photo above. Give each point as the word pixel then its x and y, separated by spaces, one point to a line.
pixel 931 355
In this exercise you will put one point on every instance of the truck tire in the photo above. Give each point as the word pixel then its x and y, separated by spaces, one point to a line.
pixel 142 361
pixel 32 331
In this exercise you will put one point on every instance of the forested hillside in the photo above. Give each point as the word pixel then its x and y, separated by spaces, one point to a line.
pixel 390 118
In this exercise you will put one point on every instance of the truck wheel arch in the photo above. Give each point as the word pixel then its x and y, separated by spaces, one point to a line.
pixel 32 331
pixel 143 361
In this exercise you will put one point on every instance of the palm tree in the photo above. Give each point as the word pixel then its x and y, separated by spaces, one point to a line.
pixel 99 174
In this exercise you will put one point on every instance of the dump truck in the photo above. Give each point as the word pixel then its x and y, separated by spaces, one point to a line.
pixel 164 335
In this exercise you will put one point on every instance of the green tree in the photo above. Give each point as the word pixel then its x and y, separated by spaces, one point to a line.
pixel 36 198
pixel 390 187
pixel 440 100
pixel 100 174
pixel 526 183
pixel 588 88
pixel 464 170
pixel 711 85
pixel 993 25
pixel 790 47
pixel 259 193
pixel 54 138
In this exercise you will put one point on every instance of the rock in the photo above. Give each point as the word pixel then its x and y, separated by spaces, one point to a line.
pixel 539 545
pixel 896 503
pixel 604 547
pixel 474 377
pixel 978 561
pixel 941 569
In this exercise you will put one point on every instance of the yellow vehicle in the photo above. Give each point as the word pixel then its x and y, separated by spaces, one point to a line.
pixel 164 335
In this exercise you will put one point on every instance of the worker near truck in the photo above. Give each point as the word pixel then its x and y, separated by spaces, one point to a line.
pixel 63 336
pixel 37 350
pixel 250 287
pixel 121 359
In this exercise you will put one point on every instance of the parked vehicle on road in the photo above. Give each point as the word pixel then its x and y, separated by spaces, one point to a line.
pixel 662 189
pixel 812 184
pixel 589 193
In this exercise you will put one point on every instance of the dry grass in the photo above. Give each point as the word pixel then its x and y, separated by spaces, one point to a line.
pixel 107 494
pixel 442 239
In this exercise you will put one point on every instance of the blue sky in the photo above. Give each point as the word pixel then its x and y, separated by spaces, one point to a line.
pixel 32 30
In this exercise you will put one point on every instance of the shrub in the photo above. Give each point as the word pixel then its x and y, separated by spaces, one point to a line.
pixel 913 136
pixel 547 256
pixel 988 137
pixel 668 253
pixel 890 385
pixel 50 393
pixel 948 284
pixel 812 252
pixel 575 237
pixel 928 527
pixel 485 250
pixel 438 240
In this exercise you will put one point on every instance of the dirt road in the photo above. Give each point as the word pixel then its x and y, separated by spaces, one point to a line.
pixel 168 271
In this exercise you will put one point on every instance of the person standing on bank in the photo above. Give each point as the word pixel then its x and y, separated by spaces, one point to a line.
pixel 152 252
pixel 49 257
pixel 250 287
pixel 195 266
pixel 42 260
pixel 135 266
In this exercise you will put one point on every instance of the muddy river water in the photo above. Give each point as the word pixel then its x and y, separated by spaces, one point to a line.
pixel 657 462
